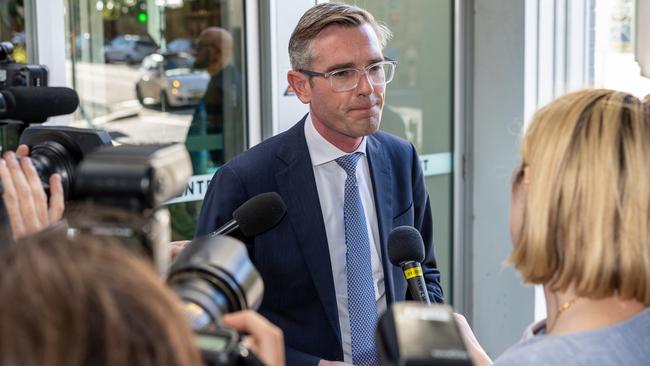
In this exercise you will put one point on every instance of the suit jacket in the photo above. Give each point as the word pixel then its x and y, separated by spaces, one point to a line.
pixel 293 258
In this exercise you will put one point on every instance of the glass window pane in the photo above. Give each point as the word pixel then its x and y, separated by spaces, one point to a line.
pixel 419 101
pixel 152 71
pixel 622 48
pixel 14 48
pixel 12 28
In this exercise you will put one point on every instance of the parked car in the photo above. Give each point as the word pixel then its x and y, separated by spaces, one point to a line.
pixel 129 48
pixel 182 45
pixel 168 78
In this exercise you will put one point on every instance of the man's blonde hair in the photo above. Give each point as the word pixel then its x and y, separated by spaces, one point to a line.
pixel 587 209
pixel 322 16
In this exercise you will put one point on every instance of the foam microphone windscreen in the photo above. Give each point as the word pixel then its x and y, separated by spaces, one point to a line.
pixel 260 213
pixel 37 104
pixel 404 245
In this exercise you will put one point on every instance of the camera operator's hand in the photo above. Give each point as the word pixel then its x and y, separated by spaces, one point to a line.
pixel 24 197
pixel 476 352
pixel 176 247
pixel 265 340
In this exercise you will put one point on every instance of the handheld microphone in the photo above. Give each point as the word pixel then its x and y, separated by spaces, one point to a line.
pixel 253 217
pixel 406 250
pixel 37 104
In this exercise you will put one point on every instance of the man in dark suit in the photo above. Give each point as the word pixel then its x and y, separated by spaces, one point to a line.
pixel 346 185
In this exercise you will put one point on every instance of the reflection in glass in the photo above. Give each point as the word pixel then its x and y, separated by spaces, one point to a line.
pixel 419 101
pixel 12 27
pixel 142 74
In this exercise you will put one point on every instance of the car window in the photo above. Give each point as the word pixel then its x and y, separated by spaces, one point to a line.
pixel 120 42
pixel 144 44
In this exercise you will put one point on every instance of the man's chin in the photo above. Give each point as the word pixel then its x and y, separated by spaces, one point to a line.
pixel 370 126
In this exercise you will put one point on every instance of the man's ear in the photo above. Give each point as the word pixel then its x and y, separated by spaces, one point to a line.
pixel 299 82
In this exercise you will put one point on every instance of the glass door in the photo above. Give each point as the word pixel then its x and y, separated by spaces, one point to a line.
pixel 419 102
pixel 163 71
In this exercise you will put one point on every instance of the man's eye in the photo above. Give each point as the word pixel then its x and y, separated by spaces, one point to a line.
pixel 343 74
pixel 376 70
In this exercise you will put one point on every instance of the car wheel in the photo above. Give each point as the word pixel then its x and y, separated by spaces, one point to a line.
pixel 129 60
pixel 164 101
pixel 138 94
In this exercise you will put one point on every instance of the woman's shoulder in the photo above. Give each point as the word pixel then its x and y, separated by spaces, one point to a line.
pixel 627 343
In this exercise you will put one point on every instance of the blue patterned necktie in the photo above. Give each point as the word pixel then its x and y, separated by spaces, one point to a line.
pixel 361 292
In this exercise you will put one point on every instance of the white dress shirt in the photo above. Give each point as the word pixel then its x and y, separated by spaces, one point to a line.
pixel 330 182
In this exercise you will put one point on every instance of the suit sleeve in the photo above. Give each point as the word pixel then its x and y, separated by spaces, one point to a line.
pixel 225 194
pixel 423 221
pixel 295 357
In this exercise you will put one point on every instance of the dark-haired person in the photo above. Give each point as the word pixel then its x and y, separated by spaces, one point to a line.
pixel 580 225
pixel 219 113
pixel 90 302
pixel 345 184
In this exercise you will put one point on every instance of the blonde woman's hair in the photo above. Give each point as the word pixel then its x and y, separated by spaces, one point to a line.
pixel 322 16
pixel 587 208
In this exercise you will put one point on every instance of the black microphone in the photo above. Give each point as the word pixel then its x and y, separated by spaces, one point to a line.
pixel 37 104
pixel 406 250
pixel 254 216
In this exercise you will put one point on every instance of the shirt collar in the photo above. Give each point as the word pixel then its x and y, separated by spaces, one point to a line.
pixel 322 151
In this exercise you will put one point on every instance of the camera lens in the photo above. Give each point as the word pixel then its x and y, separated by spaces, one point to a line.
pixel 213 277
pixel 51 157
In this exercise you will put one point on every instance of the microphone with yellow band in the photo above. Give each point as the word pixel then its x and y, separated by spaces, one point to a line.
pixel 406 250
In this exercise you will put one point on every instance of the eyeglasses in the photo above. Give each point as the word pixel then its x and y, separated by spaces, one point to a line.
pixel 341 80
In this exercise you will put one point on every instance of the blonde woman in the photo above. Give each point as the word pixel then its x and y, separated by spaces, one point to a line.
pixel 580 224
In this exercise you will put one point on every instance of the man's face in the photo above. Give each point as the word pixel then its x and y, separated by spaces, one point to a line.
pixel 354 113
pixel 204 55
pixel 207 50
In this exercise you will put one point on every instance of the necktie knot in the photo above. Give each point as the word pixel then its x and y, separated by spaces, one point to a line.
pixel 349 163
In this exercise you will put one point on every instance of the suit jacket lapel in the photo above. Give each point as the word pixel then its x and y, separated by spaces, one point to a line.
pixel 380 170
pixel 298 188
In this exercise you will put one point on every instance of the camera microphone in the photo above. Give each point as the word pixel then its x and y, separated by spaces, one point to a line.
pixel 406 250
pixel 253 217
pixel 37 104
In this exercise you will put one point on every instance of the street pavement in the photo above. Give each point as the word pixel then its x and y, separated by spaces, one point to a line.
pixel 107 93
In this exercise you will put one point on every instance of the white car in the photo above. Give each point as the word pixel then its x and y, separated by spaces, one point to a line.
pixel 169 80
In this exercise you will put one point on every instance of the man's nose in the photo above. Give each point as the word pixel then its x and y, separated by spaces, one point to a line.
pixel 365 87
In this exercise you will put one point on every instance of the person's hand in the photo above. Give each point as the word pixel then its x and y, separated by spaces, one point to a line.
pixel 265 340
pixel 176 247
pixel 478 355
pixel 332 363
pixel 24 197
